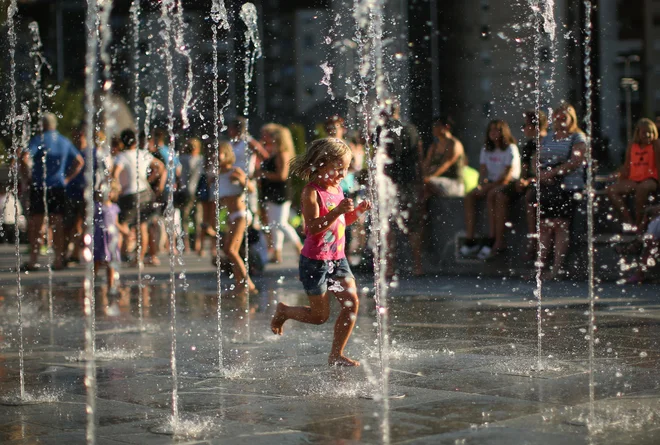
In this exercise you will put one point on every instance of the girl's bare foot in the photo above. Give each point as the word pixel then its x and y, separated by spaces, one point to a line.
pixel 278 320
pixel 342 361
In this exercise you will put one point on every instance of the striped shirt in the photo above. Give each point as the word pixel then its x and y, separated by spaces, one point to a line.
pixel 555 152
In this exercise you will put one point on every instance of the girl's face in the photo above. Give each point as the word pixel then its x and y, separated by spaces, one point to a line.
pixel 336 130
pixel 332 174
pixel 494 134
pixel 222 159
pixel 561 120
pixel 645 135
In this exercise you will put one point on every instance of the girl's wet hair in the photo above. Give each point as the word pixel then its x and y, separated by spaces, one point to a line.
pixel 648 123
pixel 321 152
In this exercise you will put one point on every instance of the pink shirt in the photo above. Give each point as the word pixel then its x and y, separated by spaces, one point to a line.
pixel 329 244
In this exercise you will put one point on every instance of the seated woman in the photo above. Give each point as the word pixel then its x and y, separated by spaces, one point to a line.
pixel 442 166
pixel 561 157
pixel 499 163
pixel 535 127
pixel 638 175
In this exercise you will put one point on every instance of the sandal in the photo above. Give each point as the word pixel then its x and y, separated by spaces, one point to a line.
pixel 152 260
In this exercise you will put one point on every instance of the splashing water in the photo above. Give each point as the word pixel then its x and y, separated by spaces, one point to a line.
pixel 88 237
pixel 167 7
pixel 327 76
pixel 182 49
pixel 11 12
pixel 219 17
pixel 248 15
pixel 590 200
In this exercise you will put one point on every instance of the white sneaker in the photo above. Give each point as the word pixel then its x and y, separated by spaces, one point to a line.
pixel 484 252
pixel 466 250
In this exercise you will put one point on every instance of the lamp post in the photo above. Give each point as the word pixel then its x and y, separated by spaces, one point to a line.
pixel 629 85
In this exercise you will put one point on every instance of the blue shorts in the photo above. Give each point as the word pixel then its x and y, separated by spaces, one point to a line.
pixel 315 274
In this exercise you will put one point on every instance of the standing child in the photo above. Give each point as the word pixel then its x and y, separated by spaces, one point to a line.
pixel 323 258
pixel 106 232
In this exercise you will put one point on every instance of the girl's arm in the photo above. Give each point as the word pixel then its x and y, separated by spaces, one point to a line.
pixel 353 216
pixel 123 228
pixel 453 153
pixel 256 147
pixel 310 209
pixel 505 178
pixel 656 147
pixel 483 174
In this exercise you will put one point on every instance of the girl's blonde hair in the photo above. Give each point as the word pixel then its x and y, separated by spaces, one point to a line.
pixel 282 137
pixel 319 153
pixel 565 107
pixel 644 122
pixel 225 148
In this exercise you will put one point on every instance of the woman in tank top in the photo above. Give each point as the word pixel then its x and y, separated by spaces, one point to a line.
pixel 274 187
pixel 637 176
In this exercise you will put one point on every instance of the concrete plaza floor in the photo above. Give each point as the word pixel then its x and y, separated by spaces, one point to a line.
pixel 463 364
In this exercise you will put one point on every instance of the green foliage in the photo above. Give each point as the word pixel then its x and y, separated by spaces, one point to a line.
pixel 68 106
pixel 300 144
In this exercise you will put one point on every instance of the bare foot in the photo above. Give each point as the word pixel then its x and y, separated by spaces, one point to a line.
pixel 342 361
pixel 278 320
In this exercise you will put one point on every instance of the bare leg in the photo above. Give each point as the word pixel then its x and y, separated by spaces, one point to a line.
pixel 59 240
pixel 616 192
pixel 349 301
pixel 502 202
pixel 317 312
pixel 34 234
pixel 562 243
pixel 642 192
pixel 470 216
pixel 231 246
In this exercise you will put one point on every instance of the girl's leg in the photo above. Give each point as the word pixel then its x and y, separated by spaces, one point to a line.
pixel 616 193
pixel 287 228
pixel 562 243
pixel 470 213
pixel 110 271
pixel 545 241
pixel 642 192
pixel 144 234
pixel 502 202
pixel 274 212
pixel 350 303
pixel 317 312
pixel 231 244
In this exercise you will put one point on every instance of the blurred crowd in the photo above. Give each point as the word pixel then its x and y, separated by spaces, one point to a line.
pixel 240 185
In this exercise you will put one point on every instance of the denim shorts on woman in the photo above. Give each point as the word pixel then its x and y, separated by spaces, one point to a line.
pixel 316 274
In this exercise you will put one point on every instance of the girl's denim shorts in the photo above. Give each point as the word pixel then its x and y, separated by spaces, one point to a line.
pixel 316 274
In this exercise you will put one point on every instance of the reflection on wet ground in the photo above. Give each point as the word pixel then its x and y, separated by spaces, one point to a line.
pixel 464 354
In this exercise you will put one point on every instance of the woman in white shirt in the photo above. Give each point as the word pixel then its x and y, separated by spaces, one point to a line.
pixel 133 169
pixel 499 163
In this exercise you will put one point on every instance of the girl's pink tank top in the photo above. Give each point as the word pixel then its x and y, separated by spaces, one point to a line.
pixel 329 244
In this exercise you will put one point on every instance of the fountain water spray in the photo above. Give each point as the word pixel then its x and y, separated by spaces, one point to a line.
pixel 135 12
pixel 88 238
pixel 252 45
pixel 182 49
pixel 590 200
pixel 36 53
pixel 167 8
pixel 16 150
pixel 219 18
pixel 369 33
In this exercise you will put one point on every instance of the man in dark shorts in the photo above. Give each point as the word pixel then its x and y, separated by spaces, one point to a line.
pixel 404 147
pixel 55 162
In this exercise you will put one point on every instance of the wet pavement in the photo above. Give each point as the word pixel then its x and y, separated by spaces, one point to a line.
pixel 464 363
